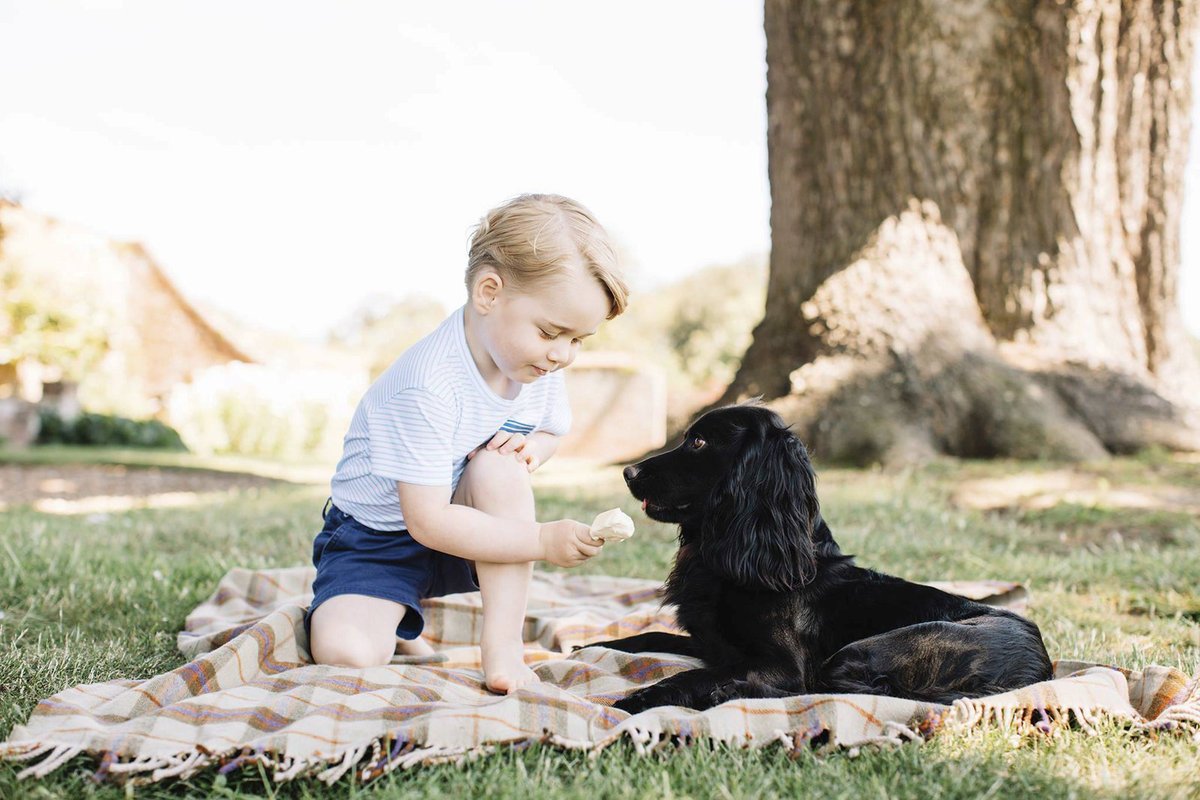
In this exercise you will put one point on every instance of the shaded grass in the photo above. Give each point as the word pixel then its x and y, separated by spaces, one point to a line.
pixel 299 471
pixel 99 597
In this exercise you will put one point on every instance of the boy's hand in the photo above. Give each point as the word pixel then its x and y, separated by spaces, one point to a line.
pixel 516 444
pixel 507 442
pixel 567 543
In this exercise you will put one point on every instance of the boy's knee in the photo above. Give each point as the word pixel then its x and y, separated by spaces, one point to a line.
pixel 353 631
pixel 496 484
pixel 494 468
pixel 351 648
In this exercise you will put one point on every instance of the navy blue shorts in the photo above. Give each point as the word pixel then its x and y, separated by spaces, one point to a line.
pixel 353 559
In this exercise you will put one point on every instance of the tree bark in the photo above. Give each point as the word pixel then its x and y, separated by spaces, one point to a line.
pixel 1011 172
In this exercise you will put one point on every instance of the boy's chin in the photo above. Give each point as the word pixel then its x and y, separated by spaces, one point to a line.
pixel 524 377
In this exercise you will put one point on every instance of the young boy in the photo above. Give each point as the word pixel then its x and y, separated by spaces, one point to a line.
pixel 435 469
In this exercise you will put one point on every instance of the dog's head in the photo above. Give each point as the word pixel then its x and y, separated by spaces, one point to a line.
pixel 744 480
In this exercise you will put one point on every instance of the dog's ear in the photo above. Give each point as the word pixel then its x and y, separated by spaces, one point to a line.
pixel 757 529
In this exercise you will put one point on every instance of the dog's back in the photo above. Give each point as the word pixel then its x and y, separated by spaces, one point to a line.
pixel 942 661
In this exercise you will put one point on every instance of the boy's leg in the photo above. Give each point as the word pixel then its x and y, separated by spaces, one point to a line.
pixel 499 485
pixel 354 630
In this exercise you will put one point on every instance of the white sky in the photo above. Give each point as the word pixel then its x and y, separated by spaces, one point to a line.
pixel 287 161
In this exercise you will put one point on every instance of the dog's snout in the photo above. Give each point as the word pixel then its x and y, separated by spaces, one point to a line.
pixel 630 472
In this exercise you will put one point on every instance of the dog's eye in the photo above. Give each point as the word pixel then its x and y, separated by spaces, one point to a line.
pixel 696 443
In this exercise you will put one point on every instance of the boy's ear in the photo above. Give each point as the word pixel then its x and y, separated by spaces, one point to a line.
pixel 486 290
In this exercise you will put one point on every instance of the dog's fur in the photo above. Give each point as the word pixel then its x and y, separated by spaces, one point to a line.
pixel 772 606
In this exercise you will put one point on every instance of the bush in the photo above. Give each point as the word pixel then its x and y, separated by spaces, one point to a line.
pixel 106 430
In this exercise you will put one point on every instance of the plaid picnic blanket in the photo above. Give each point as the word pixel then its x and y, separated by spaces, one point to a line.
pixel 251 694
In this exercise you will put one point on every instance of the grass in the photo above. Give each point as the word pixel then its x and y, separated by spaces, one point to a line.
pixel 97 597
pixel 305 471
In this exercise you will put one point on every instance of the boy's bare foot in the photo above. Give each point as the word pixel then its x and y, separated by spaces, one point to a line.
pixel 504 669
pixel 414 647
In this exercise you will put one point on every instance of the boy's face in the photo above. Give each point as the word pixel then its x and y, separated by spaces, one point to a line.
pixel 529 334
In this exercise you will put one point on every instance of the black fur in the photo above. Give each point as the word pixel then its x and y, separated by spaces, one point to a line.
pixel 772 606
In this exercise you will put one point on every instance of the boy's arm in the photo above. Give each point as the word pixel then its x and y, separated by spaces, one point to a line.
pixel 469 533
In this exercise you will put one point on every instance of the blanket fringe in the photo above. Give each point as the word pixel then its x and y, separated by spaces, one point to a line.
pixel 1179 716
pixel 567 744
pixel 291 768
pixel 151 769
pixel 24 751
pixel 181 766
pixel 433 755
pixel 968 713
pixel 59 755
pixel 387 753
pixel 139 764
pixel 352 757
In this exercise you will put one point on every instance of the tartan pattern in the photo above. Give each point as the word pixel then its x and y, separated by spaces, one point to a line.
pixel 250 692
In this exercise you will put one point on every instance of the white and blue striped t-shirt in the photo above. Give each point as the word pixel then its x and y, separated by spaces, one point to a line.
pixel 422 416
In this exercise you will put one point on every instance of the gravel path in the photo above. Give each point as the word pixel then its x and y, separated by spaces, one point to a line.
pixel 29 484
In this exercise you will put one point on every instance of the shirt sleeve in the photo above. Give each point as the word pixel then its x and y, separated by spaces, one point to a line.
pixel 557 419
pixel 410 438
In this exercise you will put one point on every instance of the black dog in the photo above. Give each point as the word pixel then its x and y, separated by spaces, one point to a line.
pixel 774 608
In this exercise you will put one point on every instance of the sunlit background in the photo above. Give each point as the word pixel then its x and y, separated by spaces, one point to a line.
pixel 289 162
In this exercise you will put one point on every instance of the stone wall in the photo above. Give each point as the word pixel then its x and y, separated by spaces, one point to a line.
pixel 619 406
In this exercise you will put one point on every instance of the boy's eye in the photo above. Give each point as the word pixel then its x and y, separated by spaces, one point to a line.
pixel 545 334
pixel 577 341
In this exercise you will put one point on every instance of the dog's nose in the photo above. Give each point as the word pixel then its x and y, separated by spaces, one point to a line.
pixel 630 472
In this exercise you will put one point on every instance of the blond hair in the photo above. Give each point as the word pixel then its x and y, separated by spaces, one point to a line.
pixel 536 236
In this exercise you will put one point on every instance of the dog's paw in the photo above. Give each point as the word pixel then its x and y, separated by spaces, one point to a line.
pixel 637 702
pixel 631 705
pixel 740 689
pixel 721 693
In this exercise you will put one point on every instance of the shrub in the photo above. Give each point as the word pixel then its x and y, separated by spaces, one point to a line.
pixel 696 328
pixel 106 430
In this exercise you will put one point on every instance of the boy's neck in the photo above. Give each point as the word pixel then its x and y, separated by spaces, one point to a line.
pixel 488 370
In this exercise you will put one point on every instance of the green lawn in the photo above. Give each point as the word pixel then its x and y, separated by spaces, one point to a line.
pixel 95 597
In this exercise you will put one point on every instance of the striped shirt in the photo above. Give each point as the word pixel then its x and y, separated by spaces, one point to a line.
pixel 422 416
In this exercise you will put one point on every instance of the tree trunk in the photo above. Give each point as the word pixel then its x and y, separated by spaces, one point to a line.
pixel 975 227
